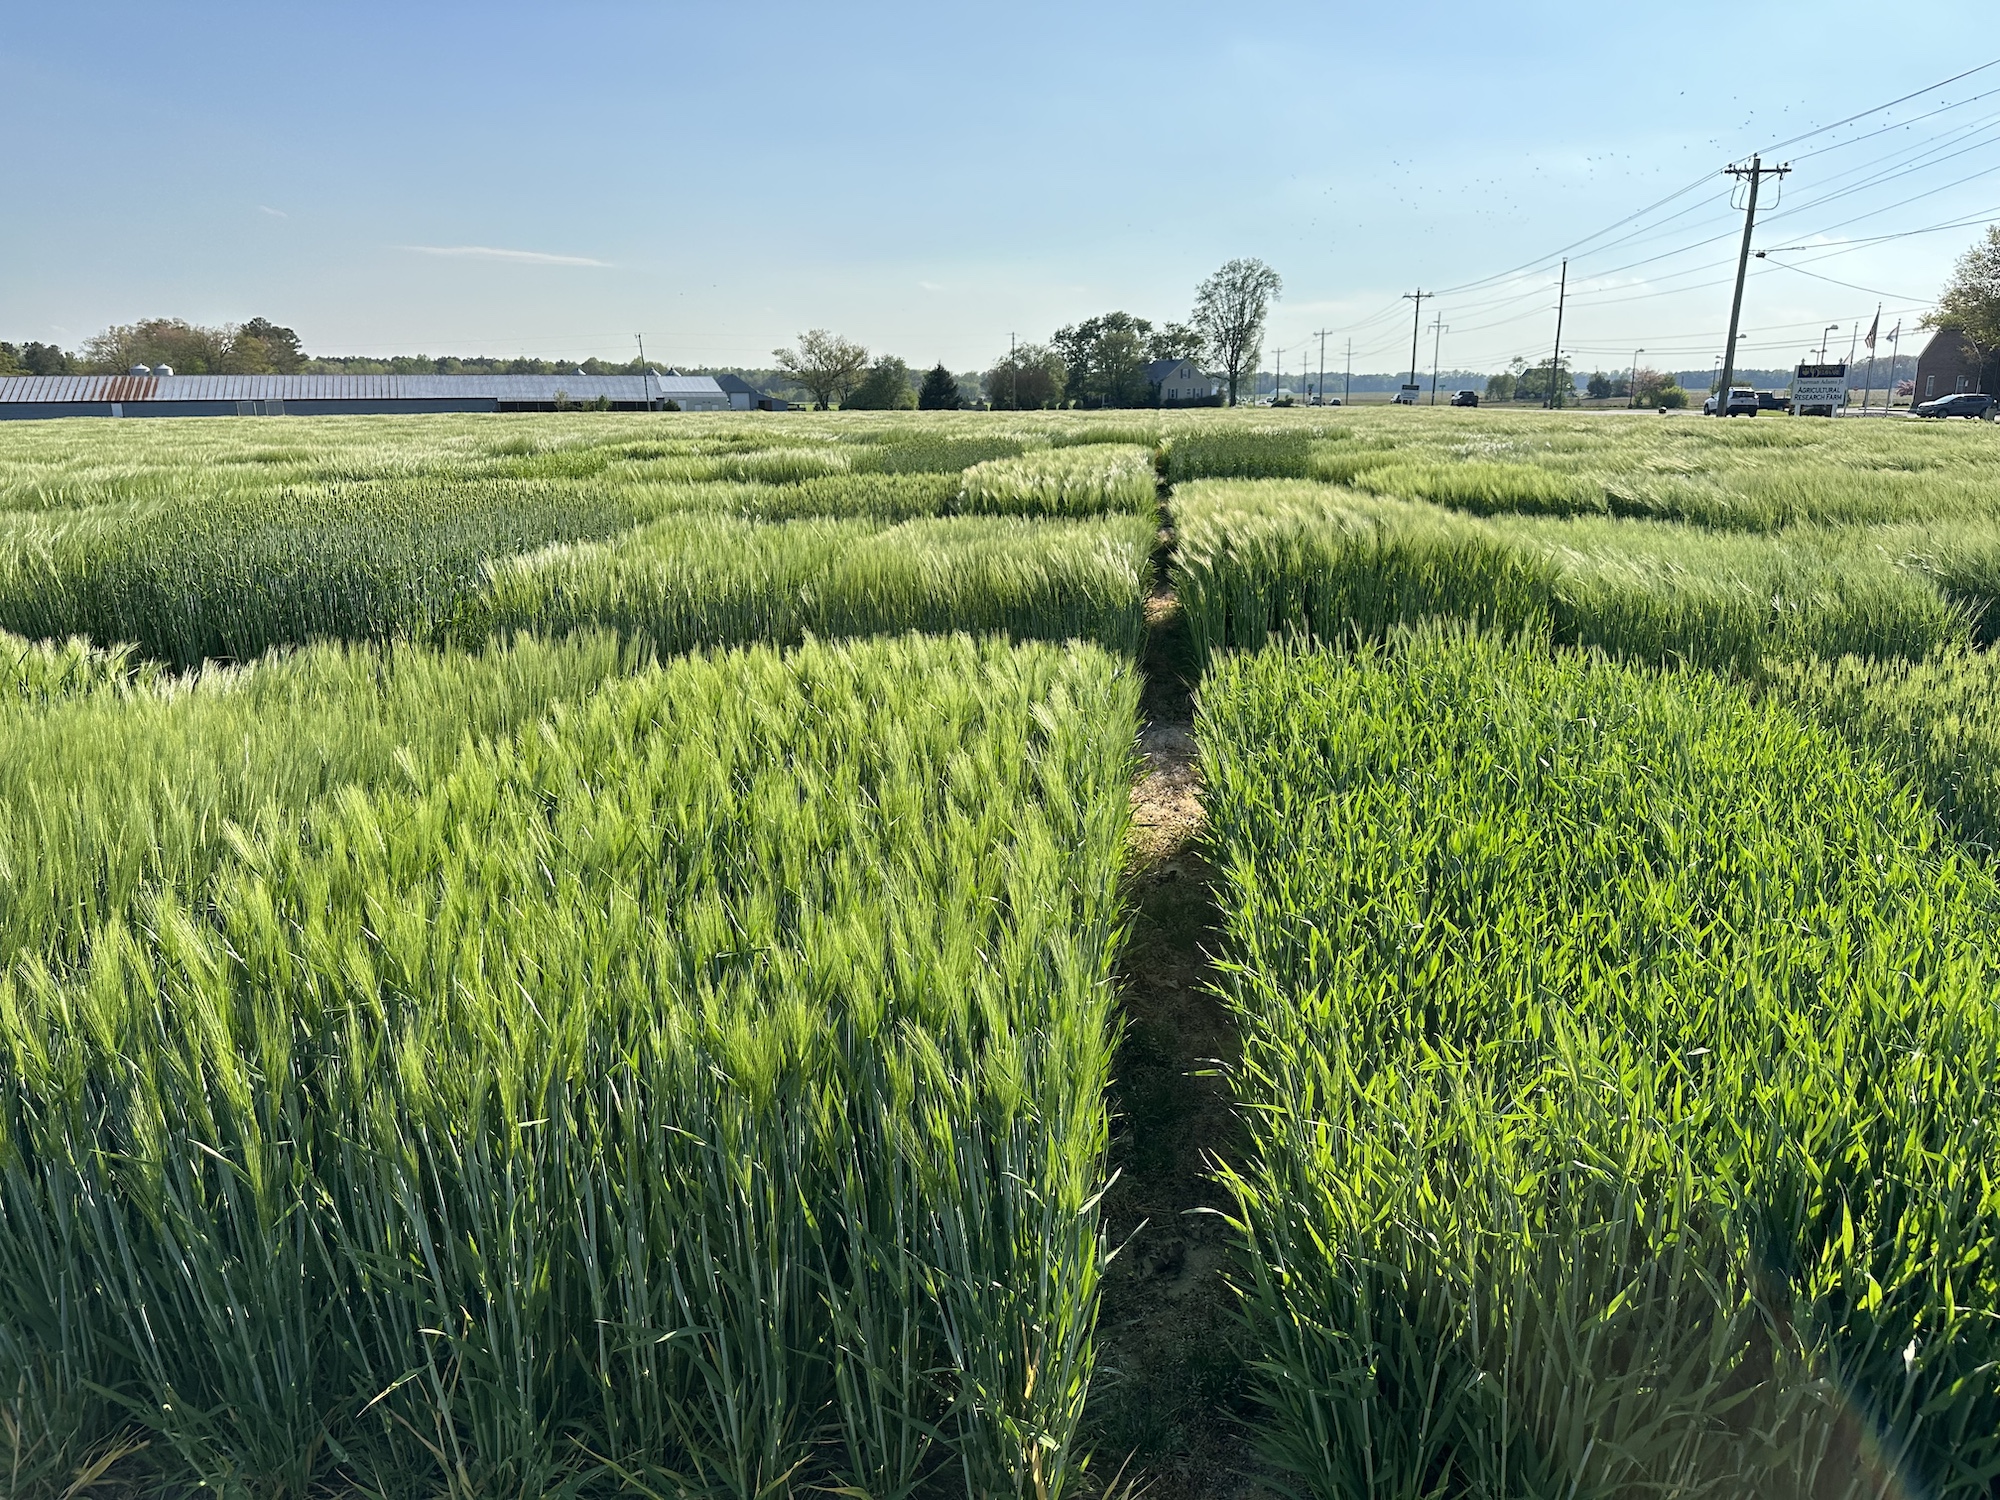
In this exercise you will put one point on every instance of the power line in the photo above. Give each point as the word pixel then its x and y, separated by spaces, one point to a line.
pixel 1576 247
pixel 1984 217
pixel 1906 98
pixel 1893 125
pixel 1852 286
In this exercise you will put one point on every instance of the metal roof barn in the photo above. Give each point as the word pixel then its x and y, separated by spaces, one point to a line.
pixel 27 396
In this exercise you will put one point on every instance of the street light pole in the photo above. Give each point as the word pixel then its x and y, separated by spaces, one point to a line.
pixel 1632 394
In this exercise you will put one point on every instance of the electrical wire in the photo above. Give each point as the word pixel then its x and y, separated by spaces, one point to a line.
pixel 1873 291
pixel 1896 163
pixel 1894 125
pixel 1904 99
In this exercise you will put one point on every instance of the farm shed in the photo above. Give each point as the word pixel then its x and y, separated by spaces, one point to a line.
pixel 743 396
pixel 30 396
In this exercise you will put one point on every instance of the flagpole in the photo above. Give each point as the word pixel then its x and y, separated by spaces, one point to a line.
pixel 1868 394
pixel 1895 353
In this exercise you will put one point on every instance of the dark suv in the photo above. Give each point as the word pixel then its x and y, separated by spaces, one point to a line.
pixel 1964 404
pixel 1465 398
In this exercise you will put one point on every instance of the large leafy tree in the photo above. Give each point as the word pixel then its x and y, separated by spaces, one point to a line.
pixel 261 347
pixel 1104 359
pixel 1971 299
pixel 1031 378
pixel 824 363
pixel 1229 312
pixel 939 392
pixel 1177 341
pixel 35 359
pixel 886 387
pixel 258 347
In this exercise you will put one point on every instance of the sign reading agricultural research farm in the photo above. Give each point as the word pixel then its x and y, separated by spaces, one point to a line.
pixel 1819 385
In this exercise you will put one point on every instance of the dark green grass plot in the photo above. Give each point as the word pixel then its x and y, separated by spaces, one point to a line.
pixel 1623 1080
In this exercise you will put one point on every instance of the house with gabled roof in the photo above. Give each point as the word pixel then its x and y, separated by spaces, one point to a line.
pixel 1182 382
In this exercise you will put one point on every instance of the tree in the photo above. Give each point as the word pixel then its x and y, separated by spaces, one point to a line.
pixel 886 387
pixel 1648 386
pixel 189 348
pixel 1971 299
pixel 1177 341
pixel 1599 386
pixel 33 359
pixel 46 359
pixel 1105 360
pixel 1500 387
pixel 261 347
pixel 1229 312
pixel 939 392
pixel 825 364
pixel 1531 382
pixel 1030 379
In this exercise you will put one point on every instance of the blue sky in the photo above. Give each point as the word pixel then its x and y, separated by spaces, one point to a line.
pixel 548 179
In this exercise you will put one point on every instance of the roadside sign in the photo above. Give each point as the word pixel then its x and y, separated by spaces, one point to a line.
pixel 1819 387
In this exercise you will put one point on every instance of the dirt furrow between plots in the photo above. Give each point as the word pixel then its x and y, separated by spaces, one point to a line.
pixel 1168 1400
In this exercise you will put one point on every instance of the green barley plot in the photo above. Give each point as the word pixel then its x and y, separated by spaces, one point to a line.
pixel 118 782
pixel 1620 1072
pixel 692 580
pixel 1264 559
pixel 700 1092
pixel 1066 481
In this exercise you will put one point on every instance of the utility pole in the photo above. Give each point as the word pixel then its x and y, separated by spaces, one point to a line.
pixel 1556 359
pixel 1014 370
pixel 1322 364
pixel 1633 392
pixel 1416 325
pixel 1895 353
pixel 1756 172
pixel 1347 385
pixel 1437 340
pixel 645 385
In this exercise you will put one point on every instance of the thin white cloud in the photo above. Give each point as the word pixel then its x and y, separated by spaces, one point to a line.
pixel 522 257
pixel 276 213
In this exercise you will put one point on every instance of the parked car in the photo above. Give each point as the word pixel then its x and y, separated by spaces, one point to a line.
pixel 1742 403
pixel 1964 404
pixel 1772 401
pixel 1465 398
pixel 1407 396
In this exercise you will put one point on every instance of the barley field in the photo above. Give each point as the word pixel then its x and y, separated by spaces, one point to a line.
pixel 608 954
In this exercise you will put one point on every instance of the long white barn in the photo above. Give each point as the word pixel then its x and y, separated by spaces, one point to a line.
pixel 135 395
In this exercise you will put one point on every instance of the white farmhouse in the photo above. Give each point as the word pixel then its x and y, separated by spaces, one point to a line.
pixel 1181 382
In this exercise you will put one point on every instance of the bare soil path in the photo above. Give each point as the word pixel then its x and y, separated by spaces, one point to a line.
pixel 1168 1402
